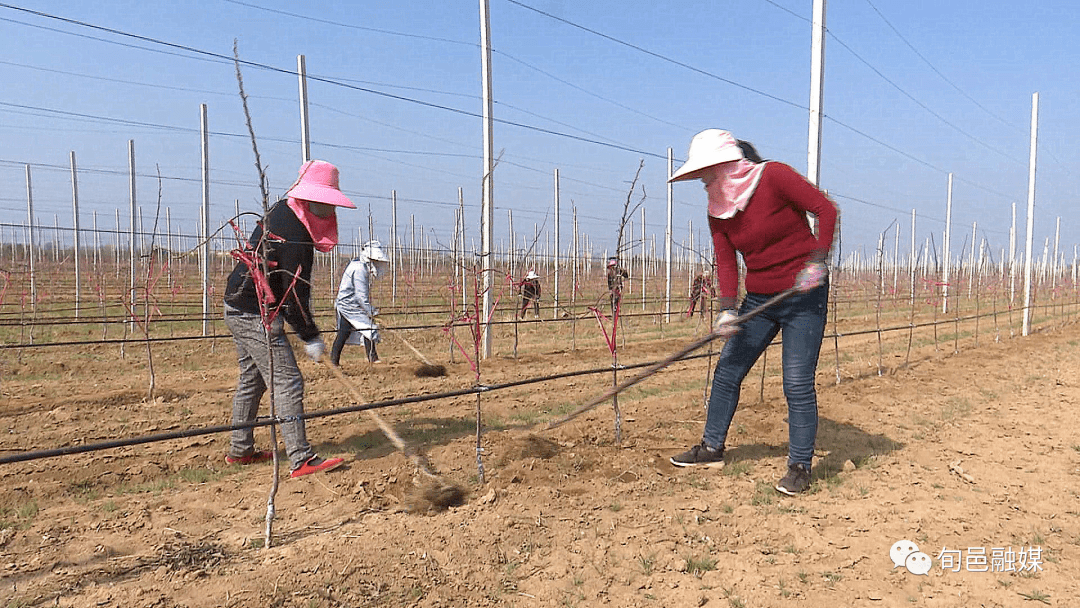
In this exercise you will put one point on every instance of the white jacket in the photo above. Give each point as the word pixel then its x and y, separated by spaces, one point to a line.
pixel 354 295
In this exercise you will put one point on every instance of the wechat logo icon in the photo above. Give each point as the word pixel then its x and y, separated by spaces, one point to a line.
pixel 906 553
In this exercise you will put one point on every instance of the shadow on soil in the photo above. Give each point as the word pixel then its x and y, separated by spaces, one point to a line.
pixel 841 442
pixel 416 432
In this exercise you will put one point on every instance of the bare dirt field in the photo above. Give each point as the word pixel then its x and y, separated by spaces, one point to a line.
pixel 976 451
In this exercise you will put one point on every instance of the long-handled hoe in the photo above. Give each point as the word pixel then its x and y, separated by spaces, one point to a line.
pixel 436 493
pixel 427 369
pixel 673 357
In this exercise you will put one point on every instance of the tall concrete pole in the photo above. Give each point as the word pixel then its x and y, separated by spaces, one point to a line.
pixel 1030 212
pixel 204 248
pixel 77 243
pixel 912 257
pixel 1012 257
pixel 305 134
pixel 667 241
pixel 31 252
pixel 461 233
pixel 134 215
pixel 945 253
pixel 487 212
pixel 555 301
pixel 644 261
pixel 393 247
pixel 817 88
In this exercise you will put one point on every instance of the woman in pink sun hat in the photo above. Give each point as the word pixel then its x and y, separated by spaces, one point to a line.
pixel 757 210
pixel 295 226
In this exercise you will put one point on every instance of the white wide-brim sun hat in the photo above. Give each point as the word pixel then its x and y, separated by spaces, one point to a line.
pixel 532 275
pixel 373 251
pixel 708 148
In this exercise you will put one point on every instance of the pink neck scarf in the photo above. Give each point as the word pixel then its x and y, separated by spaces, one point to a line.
pixel 323 230
pixel 739 180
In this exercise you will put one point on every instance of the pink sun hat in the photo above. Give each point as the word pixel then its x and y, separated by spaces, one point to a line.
pixel 318 182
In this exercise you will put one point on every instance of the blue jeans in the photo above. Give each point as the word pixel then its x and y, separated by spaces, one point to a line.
pixel 802 320
pixel 251 353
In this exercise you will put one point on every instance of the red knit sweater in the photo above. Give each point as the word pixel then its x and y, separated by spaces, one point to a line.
pixel 772 233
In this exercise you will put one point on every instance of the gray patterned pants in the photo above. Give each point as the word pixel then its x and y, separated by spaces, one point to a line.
pixel 251 353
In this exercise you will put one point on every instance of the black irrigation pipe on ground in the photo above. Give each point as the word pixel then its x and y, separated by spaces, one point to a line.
pixel 195 432
pixel 40 454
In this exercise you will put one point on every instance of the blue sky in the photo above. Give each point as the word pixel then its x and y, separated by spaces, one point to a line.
pixel 913 90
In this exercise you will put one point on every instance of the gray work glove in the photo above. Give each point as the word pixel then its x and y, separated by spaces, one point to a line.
pixel 725 325
pixel 315 348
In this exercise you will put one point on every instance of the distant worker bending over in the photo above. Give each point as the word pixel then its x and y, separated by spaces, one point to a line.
pixel 355 312
pixel 530 294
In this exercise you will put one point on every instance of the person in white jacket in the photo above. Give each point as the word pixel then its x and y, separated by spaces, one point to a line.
pixel 356 314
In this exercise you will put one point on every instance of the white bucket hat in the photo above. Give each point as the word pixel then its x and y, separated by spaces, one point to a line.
pixel 372 250
pixel 532 275
pixel 708 148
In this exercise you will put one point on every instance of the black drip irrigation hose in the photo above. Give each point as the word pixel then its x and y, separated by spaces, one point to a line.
pixel 195 432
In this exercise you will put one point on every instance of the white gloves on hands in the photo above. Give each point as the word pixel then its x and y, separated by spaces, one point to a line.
pixel 725 325
pixel 315 348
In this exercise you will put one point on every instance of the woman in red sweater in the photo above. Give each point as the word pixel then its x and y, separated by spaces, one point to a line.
pixel 758 209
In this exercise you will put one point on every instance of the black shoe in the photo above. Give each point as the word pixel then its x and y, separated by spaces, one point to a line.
pixel 796 481
pixel 699 455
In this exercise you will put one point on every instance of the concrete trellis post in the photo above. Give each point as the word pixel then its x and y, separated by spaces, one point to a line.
pixel 97 243
pixel 896 260
pixel 1054 264
pixel 116 244
pixel 305 133
pixel 667 242
pixel 510 250
pixel 1026 324
pixel 1012 257
pixel 817 90
pixel 555 291
pixel 168 243
pixel 77 244
pixel 134 219
pixel 30 240
pixel 487 219
pixel 945 251
pixel 461 231
pixel 204 246
pixel 643 258
pixel 912 257
pixel 393 247
pixel 971 258
pixel 574 284
pixel 414 258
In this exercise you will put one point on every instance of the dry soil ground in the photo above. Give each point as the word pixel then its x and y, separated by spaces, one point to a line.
pixel 972 450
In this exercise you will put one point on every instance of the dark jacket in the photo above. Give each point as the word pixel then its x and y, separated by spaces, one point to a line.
pixel 615 276
pixel 530 289
pixel 288 251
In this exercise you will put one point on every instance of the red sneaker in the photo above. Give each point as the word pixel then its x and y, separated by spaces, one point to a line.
pixel 316 464
pixel 252 458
